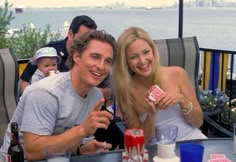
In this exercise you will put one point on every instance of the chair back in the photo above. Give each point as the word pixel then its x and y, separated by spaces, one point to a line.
pixel 8 87
pixel 183 52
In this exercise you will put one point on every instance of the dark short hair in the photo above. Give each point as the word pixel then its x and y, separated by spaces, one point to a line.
pixel 81 43
pixel 82 20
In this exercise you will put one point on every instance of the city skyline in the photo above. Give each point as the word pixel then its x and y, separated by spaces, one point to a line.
pixel 94 3
pixel 83 3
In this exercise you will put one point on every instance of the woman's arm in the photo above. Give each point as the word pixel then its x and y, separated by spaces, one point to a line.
pixel 194 116
pixel 179 90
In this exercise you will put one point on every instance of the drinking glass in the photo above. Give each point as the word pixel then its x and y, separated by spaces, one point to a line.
pixel 58 153
pixel 191 152
pixel 166 134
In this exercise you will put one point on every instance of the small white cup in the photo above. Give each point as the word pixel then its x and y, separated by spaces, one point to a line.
pixel 54 154
pixel 52 72
pixel 166 151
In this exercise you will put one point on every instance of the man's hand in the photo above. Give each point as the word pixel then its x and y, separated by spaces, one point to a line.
pixel 96 119
pixel 23 85
pixel 94 146
pixel 106 93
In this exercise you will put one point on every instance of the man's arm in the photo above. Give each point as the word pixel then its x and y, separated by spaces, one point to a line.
pixel 71 138
pixel 26 76
pixel 23 85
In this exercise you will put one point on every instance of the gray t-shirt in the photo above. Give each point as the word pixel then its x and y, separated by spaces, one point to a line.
pixel 51 106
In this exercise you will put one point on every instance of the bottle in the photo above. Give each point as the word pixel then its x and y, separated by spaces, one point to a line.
pixel 52 72
pixel 15 150
pixel 234 138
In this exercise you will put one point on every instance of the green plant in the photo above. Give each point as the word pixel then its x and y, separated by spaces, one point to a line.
pixel 227 119
pixel 5 18
pixel 212 100
pixel 27 40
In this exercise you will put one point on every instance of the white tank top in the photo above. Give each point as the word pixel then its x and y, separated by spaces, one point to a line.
pixel 173 115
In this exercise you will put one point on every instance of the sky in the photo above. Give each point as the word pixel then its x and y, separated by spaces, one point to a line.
pixel 77 3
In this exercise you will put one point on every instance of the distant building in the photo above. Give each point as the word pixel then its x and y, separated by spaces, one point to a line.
pixel 19 10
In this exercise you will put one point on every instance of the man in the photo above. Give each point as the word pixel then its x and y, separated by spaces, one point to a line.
pixel 79 25
pixel 65 108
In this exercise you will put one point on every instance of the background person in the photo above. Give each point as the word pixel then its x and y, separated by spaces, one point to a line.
pixel 65 108
pixel 136 69
pixel 46 59
pixel 78 26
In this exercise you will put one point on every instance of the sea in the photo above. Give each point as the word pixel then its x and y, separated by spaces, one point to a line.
pixel 214 27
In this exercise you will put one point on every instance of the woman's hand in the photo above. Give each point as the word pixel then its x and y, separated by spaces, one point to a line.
pixel 168 99
pixel 164 99
pixel 152 106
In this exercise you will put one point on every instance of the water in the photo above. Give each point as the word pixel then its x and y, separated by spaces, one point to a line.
pixel 214 27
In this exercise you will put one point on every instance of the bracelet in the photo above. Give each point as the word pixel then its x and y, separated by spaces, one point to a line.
pixel 187 110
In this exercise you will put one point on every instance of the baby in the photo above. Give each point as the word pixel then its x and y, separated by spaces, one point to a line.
pixel 46 59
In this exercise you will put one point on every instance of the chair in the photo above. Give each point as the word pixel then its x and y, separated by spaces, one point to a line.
pixel 184 52
pixel 8 87
pixel 181 52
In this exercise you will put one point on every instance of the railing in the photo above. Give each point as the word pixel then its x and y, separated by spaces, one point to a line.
pixel 217 71
pixel 220 60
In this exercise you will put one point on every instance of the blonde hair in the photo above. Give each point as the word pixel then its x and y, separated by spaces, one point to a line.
pixel 123 76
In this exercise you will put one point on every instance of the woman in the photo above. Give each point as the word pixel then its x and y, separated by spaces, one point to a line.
pixel 136 71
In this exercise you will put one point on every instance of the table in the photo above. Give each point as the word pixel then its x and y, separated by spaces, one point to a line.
pixel 211 145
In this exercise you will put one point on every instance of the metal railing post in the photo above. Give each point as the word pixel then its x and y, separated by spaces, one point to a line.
pixel 181 9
